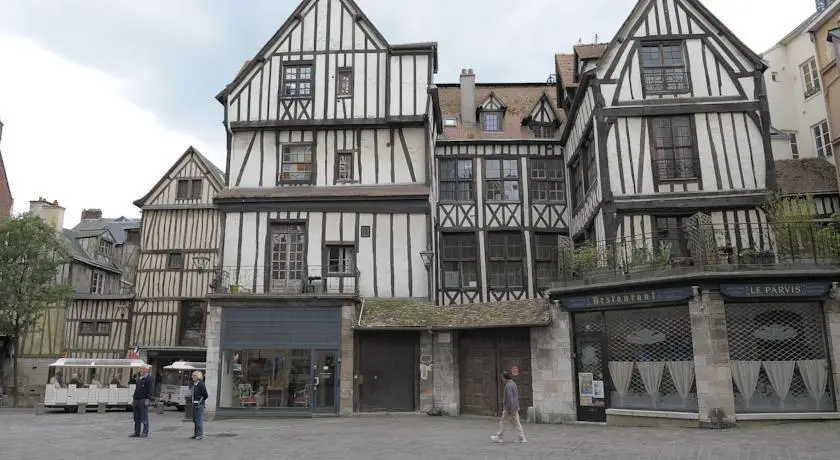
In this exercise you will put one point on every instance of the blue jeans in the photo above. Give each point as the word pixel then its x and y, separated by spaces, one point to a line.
pixel 198 420
pixel 141 416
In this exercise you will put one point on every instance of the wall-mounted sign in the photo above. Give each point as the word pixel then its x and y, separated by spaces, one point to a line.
pixel 634 298
pixel 514 371
pixel 765 290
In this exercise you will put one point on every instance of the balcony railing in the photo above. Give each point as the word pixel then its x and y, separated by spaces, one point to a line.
pixel 289 280
pixel 665 80
pixel 684 168
pixel 702 247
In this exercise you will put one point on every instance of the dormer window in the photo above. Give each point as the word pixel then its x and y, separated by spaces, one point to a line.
pixel 106 248
pixel 491 121
pixel 543 130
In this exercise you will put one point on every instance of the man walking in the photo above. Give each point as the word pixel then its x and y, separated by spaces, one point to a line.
pixel 143 393
pixel 510 410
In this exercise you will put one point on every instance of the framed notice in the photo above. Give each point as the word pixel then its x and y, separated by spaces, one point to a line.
pixel 598 389
pixel 585 385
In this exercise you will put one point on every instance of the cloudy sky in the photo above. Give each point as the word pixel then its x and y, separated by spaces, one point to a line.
pixel 100 97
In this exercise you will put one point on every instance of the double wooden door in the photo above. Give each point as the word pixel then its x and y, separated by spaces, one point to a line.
pixel 483 356
pixel 388 365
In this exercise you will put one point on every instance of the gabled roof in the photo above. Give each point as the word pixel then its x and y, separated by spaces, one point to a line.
pixel 807 175
pixel 216 174
pixel 117 226
pixel 544 99
pixel 824 16
pixel 80 255
pixel 590 51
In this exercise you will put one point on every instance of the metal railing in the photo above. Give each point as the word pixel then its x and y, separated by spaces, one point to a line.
pixel 676 168
pixel 665 80
pixel 288 279
pixel 702 247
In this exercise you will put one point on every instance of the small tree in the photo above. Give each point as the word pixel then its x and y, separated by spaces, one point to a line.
pixel 792 219
pixel 31 255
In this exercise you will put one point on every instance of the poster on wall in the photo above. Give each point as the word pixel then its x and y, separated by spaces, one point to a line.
pixel 598 389
pixel 585 384
pixel 586 401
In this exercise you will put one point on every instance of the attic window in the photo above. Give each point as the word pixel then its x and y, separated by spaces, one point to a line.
pixel 491 121
pixel 450 122
pixel 542 130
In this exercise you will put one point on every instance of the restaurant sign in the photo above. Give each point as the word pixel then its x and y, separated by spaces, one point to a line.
pixel 775 290
pixel 629 299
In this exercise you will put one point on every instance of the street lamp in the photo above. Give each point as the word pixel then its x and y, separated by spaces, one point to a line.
pixel 428 257
pixel 200 262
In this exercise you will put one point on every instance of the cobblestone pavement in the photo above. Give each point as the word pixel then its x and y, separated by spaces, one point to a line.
pixel 54 436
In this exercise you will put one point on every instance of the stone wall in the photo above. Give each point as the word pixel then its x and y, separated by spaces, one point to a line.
pixel 552 371
pixel 211 378
pixel 832 325
pixel 440 389
pixel 346 383
pixel 427 385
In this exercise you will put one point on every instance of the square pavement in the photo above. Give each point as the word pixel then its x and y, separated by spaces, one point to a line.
pixel 25 436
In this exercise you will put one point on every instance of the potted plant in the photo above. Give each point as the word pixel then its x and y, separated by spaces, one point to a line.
pixel 585 259
pixel 765 257
pixel 233 289
pixel 747 256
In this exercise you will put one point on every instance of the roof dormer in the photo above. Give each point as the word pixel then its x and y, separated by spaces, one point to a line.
pixel 491 114
pixel 542 120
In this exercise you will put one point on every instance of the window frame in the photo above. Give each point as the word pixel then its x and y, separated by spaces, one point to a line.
pixel 456 193
pixel 287 149
pixel 656 150
pixel 499 121
pixel 577 189
pixel 339 87
pixel 106 248
pixel 539 260
pixel 297 81
pixel 96 329
pixel 445 240
pixel 589 162
pixel 351 166
pixel 175 261
pixel 97 282
pixel 537 128
pixel 808 70
pixel 507 261
pixel 182 315
pixel 502 179
pixel 662 69
pixel 825 133
pixel 534 181
pixel 794 145
pixel 346 257
pixel 189 189
pixel 681 238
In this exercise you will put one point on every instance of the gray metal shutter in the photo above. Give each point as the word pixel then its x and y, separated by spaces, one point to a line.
pixel 250 328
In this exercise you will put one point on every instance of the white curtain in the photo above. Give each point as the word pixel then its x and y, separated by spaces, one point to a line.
pixel 682 373
pixel 621 372
pixel 780 374
pixel 745 374
pixel 815 375
pixel 651 372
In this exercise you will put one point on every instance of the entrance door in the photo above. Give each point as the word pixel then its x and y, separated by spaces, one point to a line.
pixel 287 259
pixel 484 355
pixel 388 365
pixel 325 370
pixel 590 348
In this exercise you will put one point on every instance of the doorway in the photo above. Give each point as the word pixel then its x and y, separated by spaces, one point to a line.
pixel 324 381
pixel 388 366
pixel 483 356
pixel 287 254
pixel 590 367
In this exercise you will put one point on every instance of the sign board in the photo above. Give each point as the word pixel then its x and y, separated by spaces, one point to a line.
pixel 631 299
pixel 765 290
pixel 444 337
pixel 514 371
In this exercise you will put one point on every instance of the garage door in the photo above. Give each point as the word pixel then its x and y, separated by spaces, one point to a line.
pixel 388 363
pixel 483 356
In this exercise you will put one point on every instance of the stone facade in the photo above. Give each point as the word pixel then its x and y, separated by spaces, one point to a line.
pixel 346 354
pixel 440 388
pixel 213 340
pixel 552 370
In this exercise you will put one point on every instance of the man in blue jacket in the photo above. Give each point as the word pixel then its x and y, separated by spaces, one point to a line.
pixel 144 391
pixel 510 409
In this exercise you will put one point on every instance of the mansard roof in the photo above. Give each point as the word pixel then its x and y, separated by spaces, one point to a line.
pixel 519 98
pixel 806 175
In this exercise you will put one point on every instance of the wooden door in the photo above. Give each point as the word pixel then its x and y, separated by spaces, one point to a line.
pixel 515 357
pixel 388 364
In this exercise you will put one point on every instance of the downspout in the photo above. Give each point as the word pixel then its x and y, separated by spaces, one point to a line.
pixel 361 312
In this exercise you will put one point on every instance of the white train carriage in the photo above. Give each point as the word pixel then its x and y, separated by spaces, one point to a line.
pixel 117 394
pixel 176 382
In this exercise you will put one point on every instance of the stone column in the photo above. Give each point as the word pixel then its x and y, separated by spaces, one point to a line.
pixel 445 373
pixel 552 370
pixel 426 385
pixel 715 396
pixel 348 314
pixel 832 326
pixel 211 374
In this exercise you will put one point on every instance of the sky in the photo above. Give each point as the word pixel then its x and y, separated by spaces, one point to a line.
pixel 100 97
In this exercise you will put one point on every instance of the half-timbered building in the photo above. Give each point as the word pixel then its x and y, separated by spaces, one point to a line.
pixel 179 247
pixel 685 296
pixel 330 134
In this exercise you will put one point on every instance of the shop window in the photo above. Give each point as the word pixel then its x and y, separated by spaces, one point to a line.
pixel 651 359
pixel 267 378
pixel 192 324
pixel 778 357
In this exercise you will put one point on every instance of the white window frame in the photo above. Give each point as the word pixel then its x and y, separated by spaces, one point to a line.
pixel 809 72
pixel 97 282
pixel 822 139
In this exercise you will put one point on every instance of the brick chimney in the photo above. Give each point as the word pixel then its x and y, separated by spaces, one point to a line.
pixel 468 97
pixel 91 214
pixel 50 212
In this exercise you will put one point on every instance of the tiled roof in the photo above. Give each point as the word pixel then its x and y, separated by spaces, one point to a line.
pixel 807 175
pixel 347 191
pixel 519 98
pixel 409 314
pixel 591 51
pixel 117 226
pixel 78 252
pixel 566 66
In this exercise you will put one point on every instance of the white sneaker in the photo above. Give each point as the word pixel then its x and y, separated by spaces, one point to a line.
pixel 523 441
pixel 496 438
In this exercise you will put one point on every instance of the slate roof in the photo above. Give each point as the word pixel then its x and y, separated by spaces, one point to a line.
pixel 807 175
pixel 78 252
pixel 520 99
pixel 349 191
pixel 591 51
pixel 413 314
pixel 117 226
pixel 565 64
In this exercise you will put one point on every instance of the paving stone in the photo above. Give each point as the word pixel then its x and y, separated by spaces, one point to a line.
pixel 23 436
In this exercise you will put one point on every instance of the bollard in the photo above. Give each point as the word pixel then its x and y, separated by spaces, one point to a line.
pixel 531 416
pixel 39 409
pixel 188 409
pixel 159 407
pixel 102 408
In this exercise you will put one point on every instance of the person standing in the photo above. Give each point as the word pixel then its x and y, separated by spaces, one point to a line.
pixel 510 410
pixel 144 391
pixel 198 395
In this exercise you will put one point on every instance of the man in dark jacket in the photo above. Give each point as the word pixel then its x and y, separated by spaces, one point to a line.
pixel 144 391
pixel 510 409
pixel 198 394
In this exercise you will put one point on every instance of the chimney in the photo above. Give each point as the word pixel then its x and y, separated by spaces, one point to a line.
pixel 91 214
pixel 52 213
pixel 468 97
pixel 823 4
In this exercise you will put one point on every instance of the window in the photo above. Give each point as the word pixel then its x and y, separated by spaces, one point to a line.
pixel 670 233
pixel 365 231
pixel 459 261
pixel 547 247
pixel 674 157
pixel 97 283
pixel 192 326
pixel 456 180
pixel 340 261
pixel 810 78
pixel 269 378
pixel 297 80
pixel 822 139
pixel 94 328
pixel 548 182
pixel 663 68
pixel 504 252
pixel 502 180
pixel 189 189
pixel 590 164
pixel 106 248
pixel 577 184
pixel 543 130
pixel 174 261
pixel 450 122
pixel 345 82
pixel 296 166
pixel 344 166
pixel 491 122
pixel 794 146
pixel 774 76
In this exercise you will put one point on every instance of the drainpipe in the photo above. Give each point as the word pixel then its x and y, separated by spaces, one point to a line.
pixel 361 312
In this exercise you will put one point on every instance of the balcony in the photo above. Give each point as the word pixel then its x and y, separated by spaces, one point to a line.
pixel 304 280
pixel 703 248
